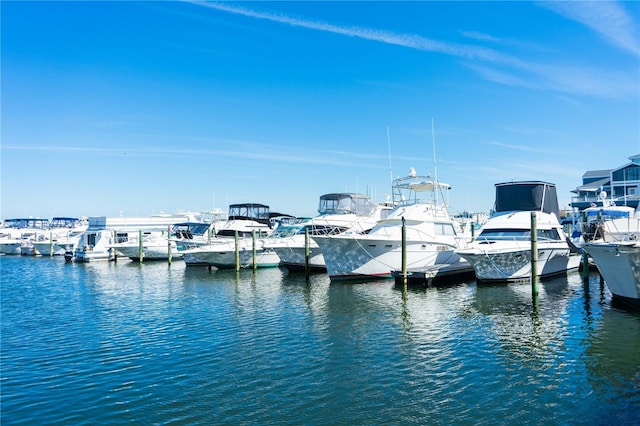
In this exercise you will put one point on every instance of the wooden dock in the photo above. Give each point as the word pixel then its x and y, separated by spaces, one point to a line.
pixel 436 275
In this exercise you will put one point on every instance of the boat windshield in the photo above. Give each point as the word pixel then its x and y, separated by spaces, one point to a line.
pixel 323 229
pixel 65 222
pixel 518 235
pixel 27 223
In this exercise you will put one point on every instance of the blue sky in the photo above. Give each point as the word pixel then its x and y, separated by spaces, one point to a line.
pixel 148 107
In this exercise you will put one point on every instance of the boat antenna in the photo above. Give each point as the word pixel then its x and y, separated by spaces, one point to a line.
pixel 389 148
pixel 435 167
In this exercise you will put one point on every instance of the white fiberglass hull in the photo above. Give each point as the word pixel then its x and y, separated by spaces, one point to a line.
pixel 11 246
pixel 619 264
pixel 158 251
pixel 222 255
pixel 93 255
pixel 292 253
pixel 367 257
pixel 45 248
pixel 500 263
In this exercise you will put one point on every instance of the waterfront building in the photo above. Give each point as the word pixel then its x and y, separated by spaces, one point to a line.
pixel 620 185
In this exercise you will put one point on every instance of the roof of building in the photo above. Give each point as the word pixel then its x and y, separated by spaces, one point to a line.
pixel 597 173
pixel 594 186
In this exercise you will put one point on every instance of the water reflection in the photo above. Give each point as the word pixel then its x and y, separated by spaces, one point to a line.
pixel 159 343
pixel 612 357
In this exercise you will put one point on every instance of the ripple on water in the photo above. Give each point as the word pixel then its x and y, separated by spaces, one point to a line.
pixel 152 343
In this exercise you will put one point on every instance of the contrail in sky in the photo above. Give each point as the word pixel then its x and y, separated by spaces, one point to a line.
pixel 405 40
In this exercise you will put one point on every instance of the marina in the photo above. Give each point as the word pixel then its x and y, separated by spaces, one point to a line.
pixel 320 213
pixel 406 314
pixel 159 343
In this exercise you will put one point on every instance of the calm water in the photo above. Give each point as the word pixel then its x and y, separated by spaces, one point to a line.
pixel 115 343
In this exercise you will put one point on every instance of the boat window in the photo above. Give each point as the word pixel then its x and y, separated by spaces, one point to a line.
pixel 444 229
pixel 548 234
pixel 241 234
pixel 517 234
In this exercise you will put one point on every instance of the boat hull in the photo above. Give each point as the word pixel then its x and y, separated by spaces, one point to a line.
pixel 619 265
pixel 360 257
pixel 293 256
pixel 85 256
pixel 149 252
pixel 515 264
pixel 222 255
pixel 12 247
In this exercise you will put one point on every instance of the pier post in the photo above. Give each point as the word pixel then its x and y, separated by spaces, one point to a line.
pixel 585 266
pixel 585 255
pixel 253 249
pixel 534 256
pixel 115 251
pixel 169 244
pixel 404 253
pixel 237 250
pixel 140 249
pixel 306 253
pixel 50 244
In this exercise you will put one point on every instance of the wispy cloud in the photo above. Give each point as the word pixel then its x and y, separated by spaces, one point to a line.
pixel 406 40
pixel 608 18
pixel 492 64
pixel 260 152
pixel 527 148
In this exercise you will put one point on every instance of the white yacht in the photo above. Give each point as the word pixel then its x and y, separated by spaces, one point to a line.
pixel 606 222
pixel 502 251
pixel 97 242
pixel 339 213
pixel 250 223
pixel 432 235
pixel 200 232
pixel 148 245
pixel 63 235
pixel 169 242
pixel 16 235
pixel 619 265
pixel 616 252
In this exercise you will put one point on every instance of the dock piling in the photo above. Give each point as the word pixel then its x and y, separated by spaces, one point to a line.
pixel 534 256
pixel 169 244
pixel 253 249
pixel 306 253
pixel 140 247
pixel 404 252
pixel 237 250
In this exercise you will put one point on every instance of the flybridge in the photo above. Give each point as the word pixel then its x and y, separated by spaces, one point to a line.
pixel 417 189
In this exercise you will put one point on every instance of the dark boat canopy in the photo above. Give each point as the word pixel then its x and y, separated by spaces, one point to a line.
pixel 249 211
pixel 526 196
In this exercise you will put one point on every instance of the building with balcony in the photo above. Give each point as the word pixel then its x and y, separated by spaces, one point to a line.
pixel 620 185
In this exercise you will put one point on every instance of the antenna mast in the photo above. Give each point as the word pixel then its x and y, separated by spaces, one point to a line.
pixel 389 148
pixel 435 167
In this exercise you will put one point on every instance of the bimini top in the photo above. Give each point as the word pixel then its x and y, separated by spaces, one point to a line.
pixel 526 196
